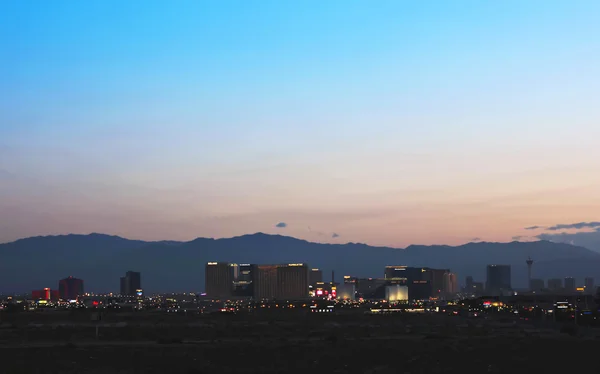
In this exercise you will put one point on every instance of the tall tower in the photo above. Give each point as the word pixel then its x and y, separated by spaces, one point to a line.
pixel 529 265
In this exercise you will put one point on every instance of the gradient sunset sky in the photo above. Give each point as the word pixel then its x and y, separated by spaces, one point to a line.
pixel 385 122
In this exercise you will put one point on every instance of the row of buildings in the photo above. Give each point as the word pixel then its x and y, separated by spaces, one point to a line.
pixel 71 288
pixel 401 282
pixel 298 281
pixel 285 281
pixel 499 282
pixel 68 289
pixel 567 285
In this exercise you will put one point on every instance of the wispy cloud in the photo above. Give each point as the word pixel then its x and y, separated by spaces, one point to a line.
pixel 525 238
pixel 534 227
pixel 334 235
pixel 589 240
pixel 476 239
pixel 577 226
pixel 281 225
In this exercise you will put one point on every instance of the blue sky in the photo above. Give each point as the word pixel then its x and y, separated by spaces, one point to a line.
pixel 388 122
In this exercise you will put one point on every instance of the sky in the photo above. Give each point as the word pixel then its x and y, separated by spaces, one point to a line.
pixel 387 122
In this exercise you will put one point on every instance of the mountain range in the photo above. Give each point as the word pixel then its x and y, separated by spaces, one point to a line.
pixel 172 266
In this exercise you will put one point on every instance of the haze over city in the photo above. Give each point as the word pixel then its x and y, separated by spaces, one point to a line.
pixel 390 123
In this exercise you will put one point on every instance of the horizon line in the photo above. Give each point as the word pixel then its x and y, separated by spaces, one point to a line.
pixel 267 234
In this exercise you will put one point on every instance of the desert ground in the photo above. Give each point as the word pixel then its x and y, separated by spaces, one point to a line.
pixel 63 342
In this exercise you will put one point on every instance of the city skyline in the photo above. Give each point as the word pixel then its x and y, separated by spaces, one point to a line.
pixel 389 124
pixel 230 280
pixel 106 261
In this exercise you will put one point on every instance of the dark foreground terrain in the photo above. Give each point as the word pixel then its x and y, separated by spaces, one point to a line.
pixel 291 344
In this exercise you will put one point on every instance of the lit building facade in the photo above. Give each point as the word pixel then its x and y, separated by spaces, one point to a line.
pixel 45 294
pixel 451 287
pixel 243 285
pixel 229 280
pixel 320 290
pixel 70 288
pixel 427 282
pixel 396 272
pixel 346 291
pixel 396 292
pixel 219 278
pixel 292 281
pixel 437 278
pixel 265 282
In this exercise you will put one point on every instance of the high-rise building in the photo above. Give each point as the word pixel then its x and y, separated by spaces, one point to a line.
pixel 478 288
pixel 570 284
pixel 437 279
pixel 422 283
pixel 69 288
pixel 130 283
pixel 265 282
pixel 395 272
pixel 123 286
pixel 498 280
pixel 402 273
pixel 219 279
pixel 243 285
pixel 450 285
pixel 316 275
pixel 244 272
pixel 589 285
pixel 536 285
pixel 420 290
pixel 292 281
pixel 469 284
pixel 529 263
pixel 555 284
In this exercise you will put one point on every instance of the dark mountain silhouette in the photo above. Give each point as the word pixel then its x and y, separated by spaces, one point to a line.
pixel 100 260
